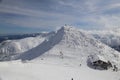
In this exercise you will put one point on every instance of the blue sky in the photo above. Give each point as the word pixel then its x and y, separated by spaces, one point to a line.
pixel 22 16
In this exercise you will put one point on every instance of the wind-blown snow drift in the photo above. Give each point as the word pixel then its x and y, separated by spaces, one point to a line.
pixel 72 44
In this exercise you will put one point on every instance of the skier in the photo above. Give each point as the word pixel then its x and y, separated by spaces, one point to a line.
pixel 71 78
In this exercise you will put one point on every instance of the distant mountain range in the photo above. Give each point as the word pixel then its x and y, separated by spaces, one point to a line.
pixel 108 37
pixel 18 36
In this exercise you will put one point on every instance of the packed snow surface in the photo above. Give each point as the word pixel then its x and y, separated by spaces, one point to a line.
pixel 44 71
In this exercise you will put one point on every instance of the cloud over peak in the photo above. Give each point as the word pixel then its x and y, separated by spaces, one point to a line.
pixel 94 14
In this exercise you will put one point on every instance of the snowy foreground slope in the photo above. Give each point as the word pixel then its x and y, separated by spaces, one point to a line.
pixel 42 71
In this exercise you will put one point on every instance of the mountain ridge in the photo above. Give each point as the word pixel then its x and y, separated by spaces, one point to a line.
pixel 71 43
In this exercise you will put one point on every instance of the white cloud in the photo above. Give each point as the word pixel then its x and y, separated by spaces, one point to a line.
pixel 116 5
pixel 34 18
pixel 88 11
pixel 107 22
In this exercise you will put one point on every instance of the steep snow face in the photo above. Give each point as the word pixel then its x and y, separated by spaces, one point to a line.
pixel 72 44
pixel 12 47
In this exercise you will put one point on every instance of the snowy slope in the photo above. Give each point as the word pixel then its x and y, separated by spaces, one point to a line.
pixel 72 45
pixel 12 47
pixel 39 71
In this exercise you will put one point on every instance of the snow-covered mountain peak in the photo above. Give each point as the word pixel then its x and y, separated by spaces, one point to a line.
pixel 72 44
pixel 68 35
pixel 65 28
pixel 69 30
